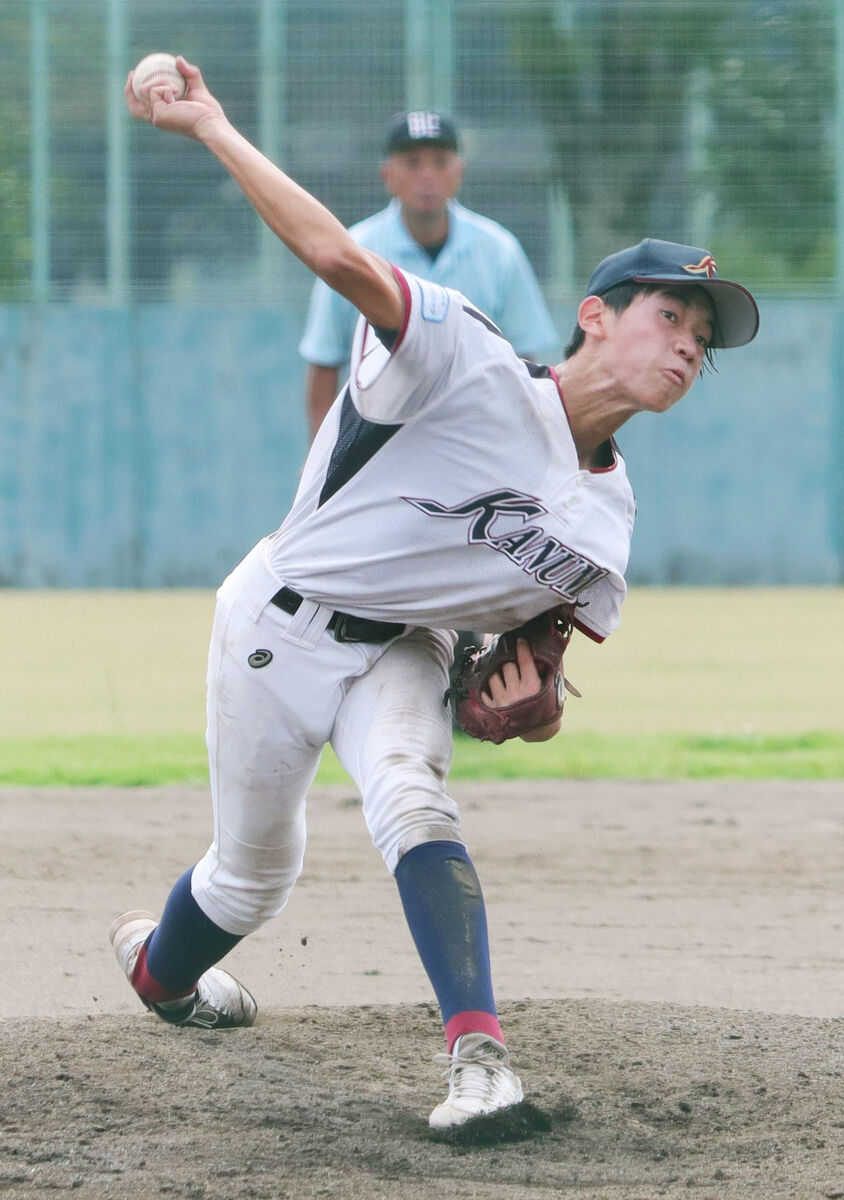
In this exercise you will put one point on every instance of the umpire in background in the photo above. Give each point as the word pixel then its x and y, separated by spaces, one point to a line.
pixel 424 230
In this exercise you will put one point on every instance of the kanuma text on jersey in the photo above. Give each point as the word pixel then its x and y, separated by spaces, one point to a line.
pixel 529 546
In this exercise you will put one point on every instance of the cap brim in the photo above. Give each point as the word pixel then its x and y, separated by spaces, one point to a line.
pixel 735 309
pixel 402 147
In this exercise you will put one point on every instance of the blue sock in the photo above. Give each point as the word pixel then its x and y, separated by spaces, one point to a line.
pixel 444 907
pixel 186 943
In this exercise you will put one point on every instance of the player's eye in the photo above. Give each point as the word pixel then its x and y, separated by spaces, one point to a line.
pixel 669 314
pixel 702 341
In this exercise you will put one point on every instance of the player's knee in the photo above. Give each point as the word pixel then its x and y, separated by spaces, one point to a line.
pixel 240 902
pixel 409 805
pixel 411 832
pixel 403 785
pixel 405 778
pixel 242 910
pixel 439 831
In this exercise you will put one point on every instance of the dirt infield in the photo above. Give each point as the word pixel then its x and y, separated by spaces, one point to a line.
pixel 668 959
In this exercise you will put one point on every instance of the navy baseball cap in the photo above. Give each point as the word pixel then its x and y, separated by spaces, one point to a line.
pixel 653 261
pixel 411 129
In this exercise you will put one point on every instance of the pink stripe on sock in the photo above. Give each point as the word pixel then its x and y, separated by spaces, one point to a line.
pixel 150 989
pixel 472 1021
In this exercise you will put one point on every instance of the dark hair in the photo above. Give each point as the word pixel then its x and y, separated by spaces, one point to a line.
pixel 622 295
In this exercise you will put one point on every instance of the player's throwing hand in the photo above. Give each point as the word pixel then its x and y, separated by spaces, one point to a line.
pixel 159 106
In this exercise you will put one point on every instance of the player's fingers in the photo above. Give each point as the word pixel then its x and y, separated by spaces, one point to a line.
pixel 504 687
pixel 527 667
pixel 161 98
pixel 510 675
pixel 196 88
pixel 192 74
pixel 135 106
pixel 513 681
pixel 189 70
pixel 497 689
pixel 162 92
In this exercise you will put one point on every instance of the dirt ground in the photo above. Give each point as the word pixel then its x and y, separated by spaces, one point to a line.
pixel 668 961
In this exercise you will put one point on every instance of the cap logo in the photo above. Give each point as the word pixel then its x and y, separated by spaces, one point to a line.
pixel 707 266
pixel 423 125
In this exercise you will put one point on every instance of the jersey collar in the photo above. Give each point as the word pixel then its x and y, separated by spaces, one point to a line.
pixel 456 244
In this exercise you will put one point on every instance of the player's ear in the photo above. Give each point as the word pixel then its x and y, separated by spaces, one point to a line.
pixel 388 176
pixel 592 316
pixel 458 167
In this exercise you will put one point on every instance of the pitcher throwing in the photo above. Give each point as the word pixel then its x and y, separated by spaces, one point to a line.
pixel 452 485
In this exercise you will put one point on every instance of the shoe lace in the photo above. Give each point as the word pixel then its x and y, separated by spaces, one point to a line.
pixel 473 1076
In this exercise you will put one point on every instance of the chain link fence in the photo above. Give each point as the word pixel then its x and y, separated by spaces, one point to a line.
pixel 586 124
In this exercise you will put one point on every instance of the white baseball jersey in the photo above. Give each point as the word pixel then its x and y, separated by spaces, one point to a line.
pixel 443 489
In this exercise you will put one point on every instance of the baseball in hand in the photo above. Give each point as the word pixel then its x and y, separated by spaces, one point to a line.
pixel 156 70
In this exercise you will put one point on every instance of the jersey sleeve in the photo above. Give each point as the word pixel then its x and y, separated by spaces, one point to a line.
pixel 598 613
pixel 329 328
pixel 390 385
pixel 523 314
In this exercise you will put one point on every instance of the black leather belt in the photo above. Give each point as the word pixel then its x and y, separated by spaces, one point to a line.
pixel 344 626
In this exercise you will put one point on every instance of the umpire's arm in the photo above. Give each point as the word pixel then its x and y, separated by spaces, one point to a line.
pixel 305 225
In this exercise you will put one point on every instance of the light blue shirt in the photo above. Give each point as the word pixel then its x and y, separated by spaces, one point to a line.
pixel 480 258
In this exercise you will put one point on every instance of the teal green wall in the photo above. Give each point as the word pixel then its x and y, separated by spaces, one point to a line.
pixel 143 447
pixel 152 446
pixel 742 481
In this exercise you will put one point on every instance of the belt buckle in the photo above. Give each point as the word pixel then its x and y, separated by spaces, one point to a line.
pixel 340 631
pixel 347 628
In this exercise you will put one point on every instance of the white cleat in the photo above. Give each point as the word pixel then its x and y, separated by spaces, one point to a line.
pixel 219 1002
pixel 480 1082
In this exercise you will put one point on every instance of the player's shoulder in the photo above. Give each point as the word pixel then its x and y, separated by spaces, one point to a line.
pixel 447 316
pixel 431 301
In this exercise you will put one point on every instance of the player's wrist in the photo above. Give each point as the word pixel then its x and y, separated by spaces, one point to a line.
pixel 214 130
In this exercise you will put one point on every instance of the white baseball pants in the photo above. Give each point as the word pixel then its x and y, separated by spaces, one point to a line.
pixel 380 707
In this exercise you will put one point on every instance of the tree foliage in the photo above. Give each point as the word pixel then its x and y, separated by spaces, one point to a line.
pixel 709 123
pixel 691 122
pixel 14 219
pixel 14 159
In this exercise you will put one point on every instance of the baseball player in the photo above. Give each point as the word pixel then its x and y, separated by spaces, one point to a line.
pixel 422 506
pixel 425 232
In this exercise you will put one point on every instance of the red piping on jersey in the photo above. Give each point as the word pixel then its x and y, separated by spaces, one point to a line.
pixel 613 447
pixel 590 633
pixel 405 290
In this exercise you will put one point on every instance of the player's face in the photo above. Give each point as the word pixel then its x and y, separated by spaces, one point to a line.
pixel 658 344
pixel 424 178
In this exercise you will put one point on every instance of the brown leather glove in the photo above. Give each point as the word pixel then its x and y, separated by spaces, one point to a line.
pixel 547 635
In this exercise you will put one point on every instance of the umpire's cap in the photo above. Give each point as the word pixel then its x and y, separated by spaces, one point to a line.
pixel 417 128
pixel 653 261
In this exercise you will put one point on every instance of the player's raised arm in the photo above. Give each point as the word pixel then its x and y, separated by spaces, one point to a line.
pixel 305 225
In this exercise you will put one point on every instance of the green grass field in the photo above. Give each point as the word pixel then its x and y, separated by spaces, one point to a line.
pixel 107 687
